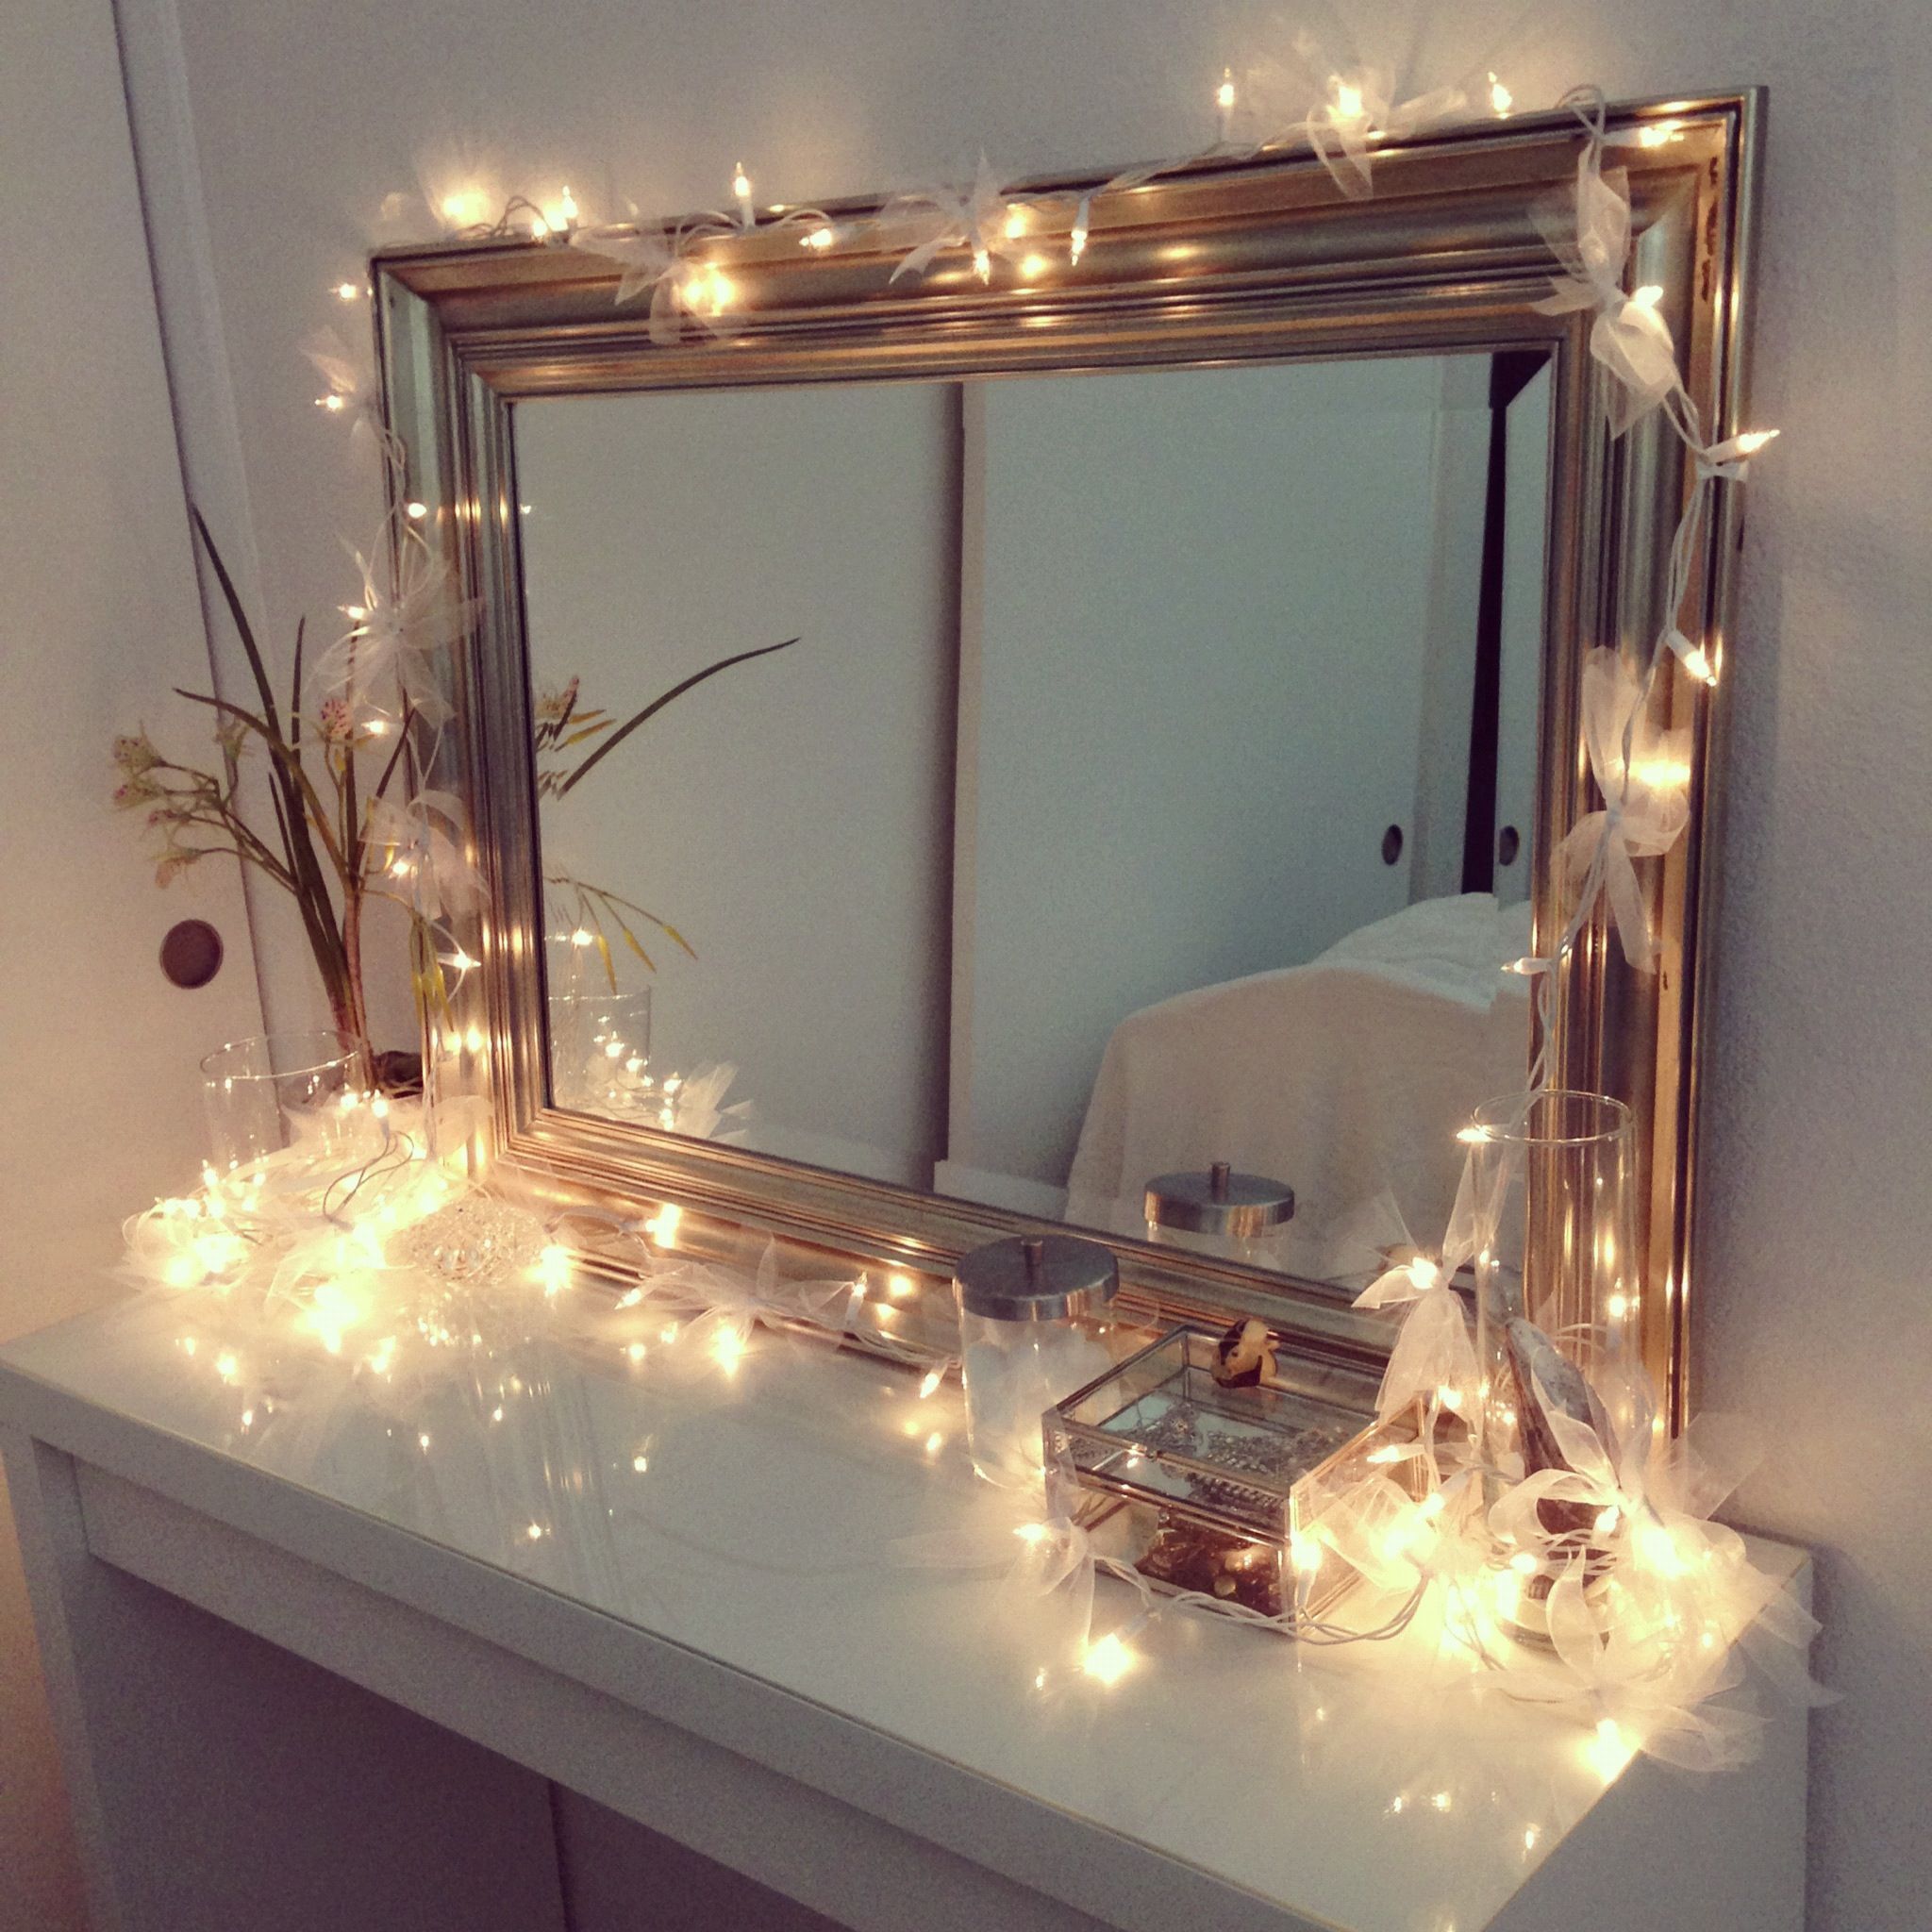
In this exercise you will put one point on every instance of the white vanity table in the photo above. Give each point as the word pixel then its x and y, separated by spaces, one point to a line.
pixel 312 1672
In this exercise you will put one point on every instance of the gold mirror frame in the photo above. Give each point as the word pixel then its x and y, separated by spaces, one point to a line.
pixel 1218 262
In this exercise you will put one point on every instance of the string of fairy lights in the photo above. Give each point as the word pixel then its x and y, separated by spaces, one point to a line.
pixel 1646 1644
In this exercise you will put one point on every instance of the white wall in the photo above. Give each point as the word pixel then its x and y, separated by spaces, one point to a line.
pixel 100 618
pixel 667 531
pixel 1817 1215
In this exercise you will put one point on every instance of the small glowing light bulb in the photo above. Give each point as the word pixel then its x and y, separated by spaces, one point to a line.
pixel 982 264
pixel 723 292
pixel 1658 135
pixel 332 402
pixel 347 292
pixel 1471 1136
pixel 730 1350
pixel 1016 223
pixel 540 228
pixel 1223 94
pixel 581 937
pixel 567 207
pixel 534 1532
pixel 1108 1660
pixel 740 184
pixel 422 1440
pixel 1348 100
pixel 819 238
pixel 1423 1272
pixel 1077 241
pixel 899 1287
pixel 1501 99
pixel 1033 267
pixel 1648 296
pixel 1697 662
pixel 1753 440
pixel 930 1385
pixel 640 1463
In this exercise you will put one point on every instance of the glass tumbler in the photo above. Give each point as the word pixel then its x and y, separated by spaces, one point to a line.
pixel 600 1050
pixel 287 1106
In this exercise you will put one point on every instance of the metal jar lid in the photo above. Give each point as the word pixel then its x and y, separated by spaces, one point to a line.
pixel 1036 1277
pixel 1216 1200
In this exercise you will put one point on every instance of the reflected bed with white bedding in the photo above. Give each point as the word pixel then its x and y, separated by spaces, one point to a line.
pixel 1346 1077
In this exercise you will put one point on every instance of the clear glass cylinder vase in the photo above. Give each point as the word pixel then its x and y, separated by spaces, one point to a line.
pixel 288 1108
pixel 1552 1187
pixel 600 1051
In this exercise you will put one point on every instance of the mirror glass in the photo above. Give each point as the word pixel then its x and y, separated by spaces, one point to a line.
pixel 1137 772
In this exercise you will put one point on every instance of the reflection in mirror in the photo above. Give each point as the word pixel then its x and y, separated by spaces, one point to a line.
pixel 1028 789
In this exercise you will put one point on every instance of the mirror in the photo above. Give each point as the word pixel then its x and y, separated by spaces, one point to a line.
pixel 1144 710
pixel 1137 775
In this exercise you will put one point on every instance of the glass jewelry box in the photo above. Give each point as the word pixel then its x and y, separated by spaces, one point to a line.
pixel 1205 1485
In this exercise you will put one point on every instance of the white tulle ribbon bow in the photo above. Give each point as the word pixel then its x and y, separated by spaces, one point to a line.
pixel 1589 232
pixel 1649 1597
pixel 975 216
pixel 350 376
pixel 408 617
pixel 420 844
pixel 1643 772
pixel 1343 128
pixel 658 259
pixel 1434 1360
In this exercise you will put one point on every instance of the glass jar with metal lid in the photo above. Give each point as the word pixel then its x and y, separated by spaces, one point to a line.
pixel 1221 1210
pixel 1033 1321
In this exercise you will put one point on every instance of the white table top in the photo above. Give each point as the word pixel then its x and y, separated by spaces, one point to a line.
pixel 753 1518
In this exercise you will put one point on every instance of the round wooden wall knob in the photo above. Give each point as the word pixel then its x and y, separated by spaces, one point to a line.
pixel 192 953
